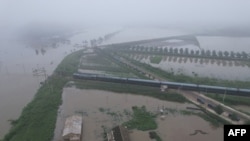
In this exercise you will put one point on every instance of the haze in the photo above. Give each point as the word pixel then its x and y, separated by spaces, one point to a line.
pixel 16 14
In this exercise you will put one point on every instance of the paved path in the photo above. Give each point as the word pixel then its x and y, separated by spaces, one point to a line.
pixel 192 96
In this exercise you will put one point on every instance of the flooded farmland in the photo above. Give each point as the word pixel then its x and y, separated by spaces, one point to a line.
pixel 198 66
pixel 93 103
pixel 161 70
pixel 221 69
pixel 18 84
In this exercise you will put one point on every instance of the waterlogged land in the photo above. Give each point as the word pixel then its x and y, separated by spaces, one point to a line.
pixel 37 121
pixel 180 76
pixel 112 108
pixel 39 117
pixel 19 60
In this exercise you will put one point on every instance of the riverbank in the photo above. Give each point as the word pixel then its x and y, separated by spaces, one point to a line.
pixel 37 120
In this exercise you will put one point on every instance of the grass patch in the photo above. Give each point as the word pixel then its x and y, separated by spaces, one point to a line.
pixel 141 119
pixel 155 59
pixel 69 64
pixel 38 118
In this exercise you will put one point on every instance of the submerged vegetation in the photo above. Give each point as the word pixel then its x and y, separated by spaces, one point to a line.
pixel 38 118
pixel 172 76
pixel 155 59
pixel 185 52
pixel 154 135
pixel 141 119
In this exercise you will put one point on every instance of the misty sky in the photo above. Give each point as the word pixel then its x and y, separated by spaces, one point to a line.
pixel 18 13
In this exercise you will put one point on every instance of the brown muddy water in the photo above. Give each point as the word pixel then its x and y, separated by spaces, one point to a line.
pixel 17 60
pixel 242 108
pixel 175 127
pixel 18 84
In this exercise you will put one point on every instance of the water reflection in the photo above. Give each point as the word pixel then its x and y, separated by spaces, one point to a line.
pixel 184 60
pixel 224 69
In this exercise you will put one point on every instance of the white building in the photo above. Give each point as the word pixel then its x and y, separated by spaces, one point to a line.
pixel 73 128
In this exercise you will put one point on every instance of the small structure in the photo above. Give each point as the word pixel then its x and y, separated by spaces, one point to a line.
pixel 73 128
pixel 164 87
pixel 118 133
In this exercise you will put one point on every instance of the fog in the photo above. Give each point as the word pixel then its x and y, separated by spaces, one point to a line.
pixel 38 34
pixel 191 14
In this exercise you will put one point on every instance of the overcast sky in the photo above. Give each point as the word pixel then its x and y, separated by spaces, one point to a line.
pixel 18 13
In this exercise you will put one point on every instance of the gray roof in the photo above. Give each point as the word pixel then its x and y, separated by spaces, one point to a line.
pixel 73 125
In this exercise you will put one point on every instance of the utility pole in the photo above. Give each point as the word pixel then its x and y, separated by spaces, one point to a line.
pixel 224 95
pixel 39 72
pixel 42 72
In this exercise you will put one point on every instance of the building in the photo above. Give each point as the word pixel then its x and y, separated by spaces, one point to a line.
pixel 73 128
pixel 118 133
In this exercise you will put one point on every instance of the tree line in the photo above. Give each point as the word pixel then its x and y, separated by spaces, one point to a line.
pixel 189 52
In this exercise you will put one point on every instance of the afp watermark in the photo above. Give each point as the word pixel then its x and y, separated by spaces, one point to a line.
pixel 239 132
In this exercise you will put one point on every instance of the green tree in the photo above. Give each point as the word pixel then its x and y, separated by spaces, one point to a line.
pixel 181 51
pixel 186 52
pixel 214 54
pixel 208 53
pixel 192 52
pixel 226 54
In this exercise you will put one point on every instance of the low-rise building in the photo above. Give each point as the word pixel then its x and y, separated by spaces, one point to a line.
pixel 73 128
pixel 118 133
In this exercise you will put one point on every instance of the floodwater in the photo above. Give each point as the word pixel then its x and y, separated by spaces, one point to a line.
pixel 242 108
pixel 219 43
pixel 228 70
pixel 17 62
pixel 18 84
pixel 88 102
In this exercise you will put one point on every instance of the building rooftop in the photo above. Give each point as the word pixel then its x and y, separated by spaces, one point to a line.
pixel 73 125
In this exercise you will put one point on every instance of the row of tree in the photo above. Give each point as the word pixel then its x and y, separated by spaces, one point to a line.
pixel 95 42
pixel 187 52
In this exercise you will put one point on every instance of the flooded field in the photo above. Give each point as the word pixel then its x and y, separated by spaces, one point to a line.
pixel 18 82
pixel 18 60
pixel 228 70
pixel 107 109
pixel 219 43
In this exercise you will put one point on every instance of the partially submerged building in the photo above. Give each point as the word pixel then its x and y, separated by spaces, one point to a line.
pixel 73 128
pixel 118 133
